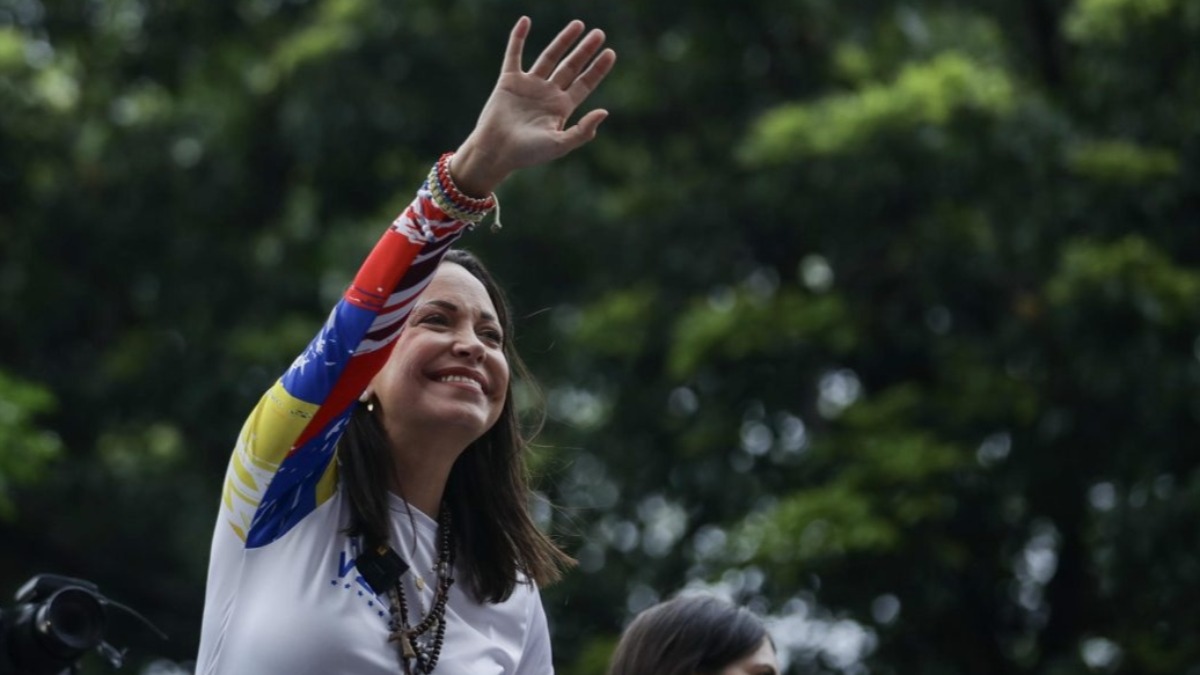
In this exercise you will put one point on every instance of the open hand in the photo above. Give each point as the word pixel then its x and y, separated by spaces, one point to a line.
pixel 524 122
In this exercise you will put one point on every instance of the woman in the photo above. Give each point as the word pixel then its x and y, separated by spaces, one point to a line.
pixel 695 635
pixel 374 517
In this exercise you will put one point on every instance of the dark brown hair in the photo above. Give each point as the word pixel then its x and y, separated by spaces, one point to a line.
pixel 689 635
pixel 488 491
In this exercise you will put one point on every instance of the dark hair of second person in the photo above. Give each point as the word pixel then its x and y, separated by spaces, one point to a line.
pixel 695 635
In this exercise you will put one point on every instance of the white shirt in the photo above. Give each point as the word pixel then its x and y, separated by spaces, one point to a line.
pixel 297 606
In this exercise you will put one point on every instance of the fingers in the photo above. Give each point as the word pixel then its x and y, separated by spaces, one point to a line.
pixel 570 67
pixel 591 78
pixel 516 46
pixel 584 131
pixel 553 52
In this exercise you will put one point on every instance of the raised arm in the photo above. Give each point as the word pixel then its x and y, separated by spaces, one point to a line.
pixel 281 467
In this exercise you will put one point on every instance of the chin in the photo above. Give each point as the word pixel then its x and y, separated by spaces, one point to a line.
pixel 467 422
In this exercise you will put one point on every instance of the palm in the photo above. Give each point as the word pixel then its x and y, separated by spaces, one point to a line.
pixel 535 113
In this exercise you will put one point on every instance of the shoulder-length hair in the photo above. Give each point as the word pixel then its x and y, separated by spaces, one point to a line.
pixel 688 635
pixel 495 536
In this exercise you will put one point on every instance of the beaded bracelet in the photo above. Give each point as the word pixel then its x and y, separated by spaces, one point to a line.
pixel 470 203
pixel 453 202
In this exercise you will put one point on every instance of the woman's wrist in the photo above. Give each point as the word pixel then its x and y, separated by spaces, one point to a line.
pixel 475 171
pixel 448 196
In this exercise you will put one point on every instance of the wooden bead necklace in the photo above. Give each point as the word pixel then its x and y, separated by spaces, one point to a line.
pixel 421 645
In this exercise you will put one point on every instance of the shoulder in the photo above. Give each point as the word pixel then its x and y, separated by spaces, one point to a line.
pixel 519 611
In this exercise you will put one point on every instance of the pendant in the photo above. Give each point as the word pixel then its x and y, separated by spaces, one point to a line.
pixel 406 647
pixel 420 584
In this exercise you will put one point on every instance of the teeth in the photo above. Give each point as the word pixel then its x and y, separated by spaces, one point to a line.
pixel 457 378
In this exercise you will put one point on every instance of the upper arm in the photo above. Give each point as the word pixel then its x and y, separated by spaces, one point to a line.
pixel 536 654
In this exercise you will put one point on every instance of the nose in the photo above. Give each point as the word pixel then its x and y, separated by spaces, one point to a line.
pixel 468 346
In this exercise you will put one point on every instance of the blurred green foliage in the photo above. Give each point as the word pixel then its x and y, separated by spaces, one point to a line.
pixel 881 317
pixel 923 94
pixel 26 451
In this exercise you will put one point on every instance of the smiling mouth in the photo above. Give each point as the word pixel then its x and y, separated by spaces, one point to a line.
pixel 461 379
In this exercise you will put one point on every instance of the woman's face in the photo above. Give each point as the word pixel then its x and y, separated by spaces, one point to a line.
pixel 448 367
pixel 762 662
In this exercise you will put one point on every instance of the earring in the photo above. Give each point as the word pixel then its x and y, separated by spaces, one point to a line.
pixel 371 406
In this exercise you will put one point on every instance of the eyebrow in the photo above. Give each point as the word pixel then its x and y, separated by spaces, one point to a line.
pixel 451 307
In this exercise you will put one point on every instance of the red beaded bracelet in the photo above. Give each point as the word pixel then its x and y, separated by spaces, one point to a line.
pixel 452 191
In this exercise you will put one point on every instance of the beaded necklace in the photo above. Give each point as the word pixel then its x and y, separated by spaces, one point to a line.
pixel 421 645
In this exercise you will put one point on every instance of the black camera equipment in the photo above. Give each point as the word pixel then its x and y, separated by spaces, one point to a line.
pixel 55 622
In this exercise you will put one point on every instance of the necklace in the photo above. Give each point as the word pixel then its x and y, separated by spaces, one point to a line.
pixel 421 645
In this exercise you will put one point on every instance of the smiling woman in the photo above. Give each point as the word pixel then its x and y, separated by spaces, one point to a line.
pixel 375 516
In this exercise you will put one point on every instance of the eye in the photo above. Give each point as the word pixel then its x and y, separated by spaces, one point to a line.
pixel 434 318
pixel 492 335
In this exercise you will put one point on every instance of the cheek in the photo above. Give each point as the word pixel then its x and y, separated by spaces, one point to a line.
pixel 396 370
pixel 500 375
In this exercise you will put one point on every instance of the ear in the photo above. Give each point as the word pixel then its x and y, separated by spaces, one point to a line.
pixel 367 394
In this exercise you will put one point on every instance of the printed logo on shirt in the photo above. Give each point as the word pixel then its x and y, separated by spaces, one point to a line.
pixel 351 581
